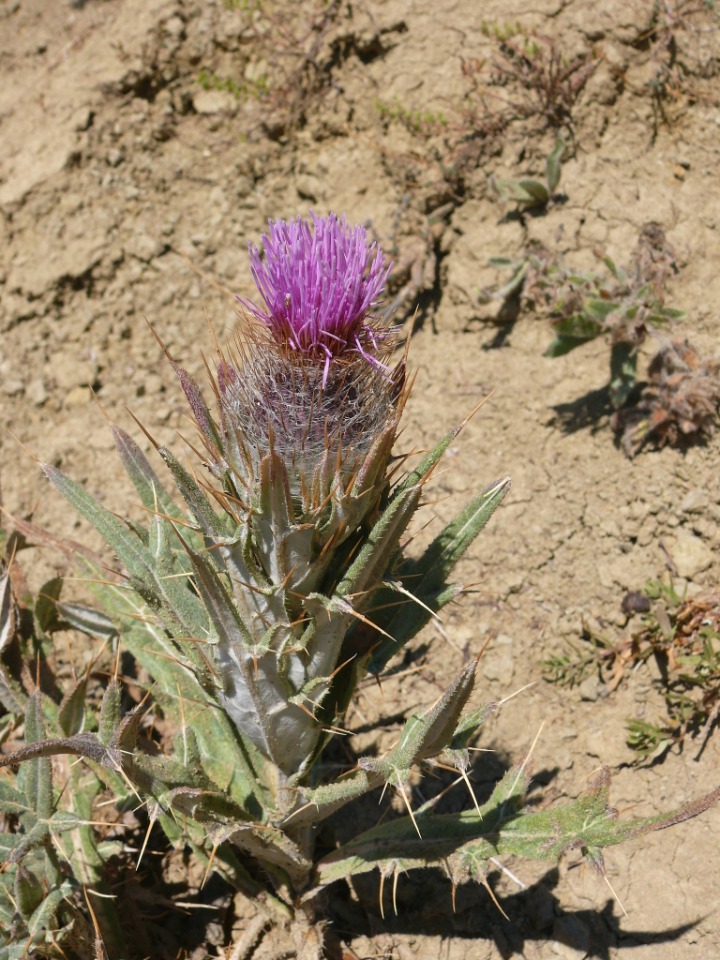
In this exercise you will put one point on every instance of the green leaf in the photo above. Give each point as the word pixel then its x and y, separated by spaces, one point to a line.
pixel 12 801
pixel 374 556
pixel 28 891
pixel 400 844
pixel 599 309
pixel 38 785
pixel 427 578
pixel 553 167
pixel 86 619
pixel 580 326
pixel 528 193
pixel 422 471
pixel 125 544
pixel 503 262
pixel 181 607
pixel 536 191
pixel 233 766
pixel 562 345
pixel 426 735
pixel 71 715
pixel 573 332
pixel 110 712
pixel 45 913
pixel 587 823
pixel 501 828
pixel 617 272
pixel 623 372
pixel 45 609
pixel 151 492
pixel 209 522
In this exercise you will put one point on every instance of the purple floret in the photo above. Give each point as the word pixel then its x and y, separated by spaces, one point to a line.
pixel 318 285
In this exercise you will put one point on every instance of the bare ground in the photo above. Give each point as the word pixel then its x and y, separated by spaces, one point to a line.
pixel 129 190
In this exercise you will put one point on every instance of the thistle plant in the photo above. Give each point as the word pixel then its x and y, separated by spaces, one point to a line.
pixel 50 849
pixel 258 606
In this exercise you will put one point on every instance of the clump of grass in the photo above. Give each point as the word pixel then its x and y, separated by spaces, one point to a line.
pixel 538 80
pixel 414 120
pixel 241 90
pixel 682 636
pixel 579 663
pixel 283 62
pixel 676 64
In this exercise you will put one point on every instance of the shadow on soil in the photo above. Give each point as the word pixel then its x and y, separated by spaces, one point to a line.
pixel 589 411
pixel 424 898
pixel 424 908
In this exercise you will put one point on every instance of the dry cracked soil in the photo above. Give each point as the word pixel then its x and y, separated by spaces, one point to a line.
pixel 145 142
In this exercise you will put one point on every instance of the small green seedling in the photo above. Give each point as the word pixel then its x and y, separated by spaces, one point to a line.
pixel 531 194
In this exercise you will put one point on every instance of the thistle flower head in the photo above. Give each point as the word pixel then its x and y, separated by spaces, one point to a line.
pixel 319 285
pixel 311 379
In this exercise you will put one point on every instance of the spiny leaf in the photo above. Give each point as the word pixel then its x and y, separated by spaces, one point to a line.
pixel 427 578
pixel 71 715
pixel 318 803
pixel 423 470
pixel 198 406
pixel 372 560
pixel 113 531
pixel 426 735
pixel 110 712
pixel 175 600
pixel 441 835
pixel 38 785
pixel 209 522
pixel 86 619
pixel 45 609
pixel 81 745
pixel 151 492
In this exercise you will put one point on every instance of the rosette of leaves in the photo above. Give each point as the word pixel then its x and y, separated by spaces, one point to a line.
pixel 624 306
pixel 258 606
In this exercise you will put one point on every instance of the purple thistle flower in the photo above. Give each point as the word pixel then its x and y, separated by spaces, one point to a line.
pixel 318 286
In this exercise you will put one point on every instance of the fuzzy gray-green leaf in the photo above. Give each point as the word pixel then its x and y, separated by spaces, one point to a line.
pixel 71 715
pixel 553 166
pixel 38 785
pixel 209 522
pixel 431 839
pixel 427 734
pixel 427 578
pixel 150 490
